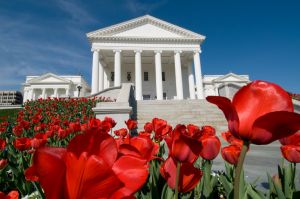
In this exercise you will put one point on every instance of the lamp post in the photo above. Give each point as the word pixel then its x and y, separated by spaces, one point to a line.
pixel 79 87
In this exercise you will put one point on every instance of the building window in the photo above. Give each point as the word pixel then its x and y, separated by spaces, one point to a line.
pixel 112 76
pixel 163 76
pixel 146 76
pixel 129 76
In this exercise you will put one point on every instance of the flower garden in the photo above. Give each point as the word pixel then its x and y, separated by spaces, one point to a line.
pixel 56 148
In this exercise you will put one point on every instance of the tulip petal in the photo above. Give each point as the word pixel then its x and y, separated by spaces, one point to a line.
pixel 50 169
pixel 210 147
pixel 133 172
pixel 90 177
pixel 95 143
pixel 189 175
pixel 293 139
pixel 147 148
pixel 229 111
pixel 185 148
pixel 257 99
pixel 291 153
pixel 274 126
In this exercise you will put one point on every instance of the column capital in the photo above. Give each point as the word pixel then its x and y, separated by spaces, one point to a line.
pixel 158 51
pixel 95 50
pixel 177 51
pixel 138 51
pixel 117 50
pixel 197 51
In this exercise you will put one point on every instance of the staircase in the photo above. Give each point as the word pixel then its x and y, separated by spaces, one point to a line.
pixel 197 112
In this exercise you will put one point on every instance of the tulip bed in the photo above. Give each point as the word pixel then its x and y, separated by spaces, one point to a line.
pixel 55 148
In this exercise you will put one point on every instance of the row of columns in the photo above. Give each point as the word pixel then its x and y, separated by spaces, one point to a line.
pixel 30 93
pixel 98 74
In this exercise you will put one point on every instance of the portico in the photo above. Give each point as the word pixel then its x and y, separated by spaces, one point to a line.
pixel 162 60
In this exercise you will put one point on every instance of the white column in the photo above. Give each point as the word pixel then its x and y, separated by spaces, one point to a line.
pixel 55 92
pixel 191 81
pixel 158 75
pixel 178 75
pixel 25 95
pixel 216 90
pixel 32 95
pixel 44 93
pixel 101 76
pixel 138 75
pixel 67 92
pixel 117 67
pixel 198 74
pixel 95 72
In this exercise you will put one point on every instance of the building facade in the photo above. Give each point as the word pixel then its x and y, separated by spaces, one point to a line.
pixel 162 60
pixel 224 85
pixel 54 86
pixel 10 98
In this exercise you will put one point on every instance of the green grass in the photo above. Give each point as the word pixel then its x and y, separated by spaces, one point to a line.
pixel 8 113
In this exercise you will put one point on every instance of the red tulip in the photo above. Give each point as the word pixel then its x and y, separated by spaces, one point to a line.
pixel 188 178
pixel 260 113
pixel 18 130
pixel 40 139
pixel 291 147
pixel 208 130
pixel 2 144
pixel 3 163
pixel 88 168
pixel 194 131
pixel 231 153
pixel 160 128
pixel 182 146
pixel 140 146
pixel 148 127
pixel 131 124
pixel 94 123
pixel 291 153
pixel 227 136
pixel 10 195
pixel 75 126
pixel 22 143
pixel 210 147
pixel 121 132
pixel 110 121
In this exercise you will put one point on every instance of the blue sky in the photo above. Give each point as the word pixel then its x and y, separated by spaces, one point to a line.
pixel 258 37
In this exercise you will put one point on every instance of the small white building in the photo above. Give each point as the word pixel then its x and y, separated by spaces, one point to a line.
pixel 51 85
pixel 224 85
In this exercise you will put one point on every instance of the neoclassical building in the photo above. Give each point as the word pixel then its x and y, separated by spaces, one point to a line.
pixel 54 86
pixel 162 60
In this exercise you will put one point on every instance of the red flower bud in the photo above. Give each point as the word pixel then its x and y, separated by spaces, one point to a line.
pixel 131 124
pixel 231 153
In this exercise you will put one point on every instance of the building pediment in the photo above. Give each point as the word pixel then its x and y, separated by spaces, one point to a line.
pixel 145 27
pixel 49 78
pixel 231 77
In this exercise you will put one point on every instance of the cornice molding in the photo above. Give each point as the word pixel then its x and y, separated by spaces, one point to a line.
pixel 107 33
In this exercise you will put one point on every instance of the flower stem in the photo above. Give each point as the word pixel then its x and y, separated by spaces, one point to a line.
pixel 177 180
pixel 238 170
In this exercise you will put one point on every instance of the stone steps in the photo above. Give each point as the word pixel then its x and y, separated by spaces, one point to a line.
pixel 198 112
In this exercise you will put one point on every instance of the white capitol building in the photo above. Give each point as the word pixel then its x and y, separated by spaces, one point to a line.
pixel 160 59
